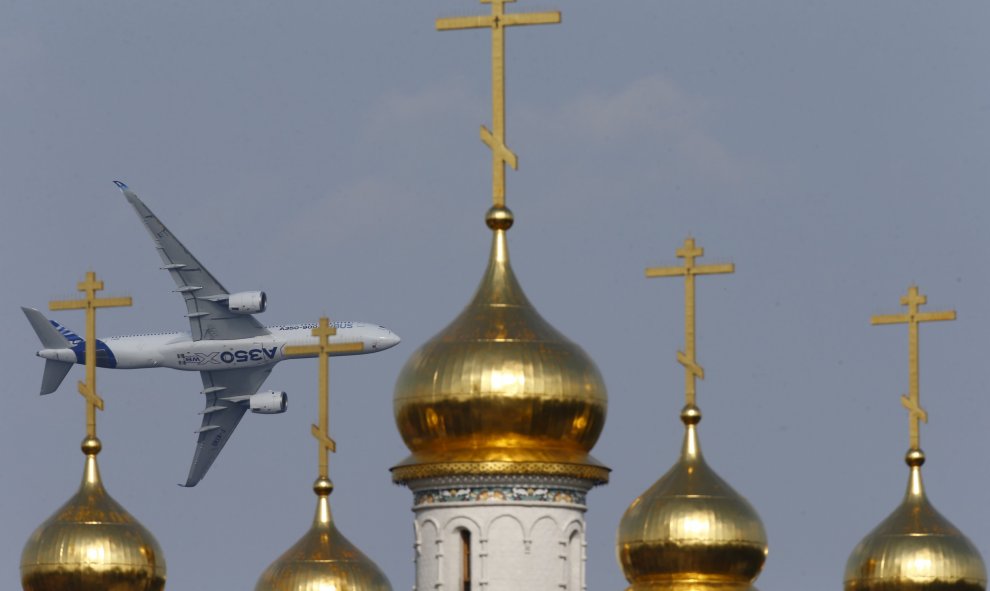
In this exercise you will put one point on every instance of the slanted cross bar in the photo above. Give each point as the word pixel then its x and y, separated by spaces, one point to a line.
pixel 689 252
pixel 323 349
pixel 497 21
pixel 912 402
pixel 90 303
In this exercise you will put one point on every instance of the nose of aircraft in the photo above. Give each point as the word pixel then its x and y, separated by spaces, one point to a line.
pixel 387 339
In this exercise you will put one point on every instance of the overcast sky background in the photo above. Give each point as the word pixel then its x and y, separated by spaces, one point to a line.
pixel 328 153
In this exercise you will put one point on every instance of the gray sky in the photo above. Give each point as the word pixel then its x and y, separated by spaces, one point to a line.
pixel 328 153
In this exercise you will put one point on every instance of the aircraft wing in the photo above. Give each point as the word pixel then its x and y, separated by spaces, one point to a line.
pixel 221 415
pixel 206 299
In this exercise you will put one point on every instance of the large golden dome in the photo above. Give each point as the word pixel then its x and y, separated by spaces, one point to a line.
pixel 691 531
pixel 92 544
pixel 915 549
pixel 323 559
pixel 500 390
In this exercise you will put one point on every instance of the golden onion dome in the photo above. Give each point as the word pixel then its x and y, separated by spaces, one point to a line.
pixel 691 531
pixel 915 549
pixel 499 390
pixel 92 543
pixel 323 559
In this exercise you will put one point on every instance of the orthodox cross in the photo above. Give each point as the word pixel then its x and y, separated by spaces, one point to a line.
pixel 913 318
pixel 90 303
pixel 497 21
pixel 323 331
pixel 689 252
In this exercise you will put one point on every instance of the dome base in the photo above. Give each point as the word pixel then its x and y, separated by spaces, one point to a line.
pixel 492 463
pixel 61 579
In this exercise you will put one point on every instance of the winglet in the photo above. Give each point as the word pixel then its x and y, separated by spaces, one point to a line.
pixel 120 185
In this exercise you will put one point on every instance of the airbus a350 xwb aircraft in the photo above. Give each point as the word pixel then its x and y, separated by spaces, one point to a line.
pixel 230 349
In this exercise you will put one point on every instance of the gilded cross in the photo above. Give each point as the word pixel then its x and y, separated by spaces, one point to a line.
pixel 497 21
pixel 913 318
pixel 90 303
pixel 689 252
pixel 323 349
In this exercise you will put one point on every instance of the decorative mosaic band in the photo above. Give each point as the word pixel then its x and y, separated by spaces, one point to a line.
pixel 499 494
pixel 596 474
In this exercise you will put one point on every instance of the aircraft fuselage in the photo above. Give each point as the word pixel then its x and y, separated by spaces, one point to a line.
pixel 177 350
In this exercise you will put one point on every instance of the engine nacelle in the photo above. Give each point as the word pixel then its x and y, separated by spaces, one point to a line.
pixel 247 302
pixel 269 402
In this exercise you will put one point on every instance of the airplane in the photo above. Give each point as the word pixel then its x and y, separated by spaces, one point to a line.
pixel 230 349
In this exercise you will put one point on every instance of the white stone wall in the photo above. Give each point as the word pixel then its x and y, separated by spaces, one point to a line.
pixel 515 546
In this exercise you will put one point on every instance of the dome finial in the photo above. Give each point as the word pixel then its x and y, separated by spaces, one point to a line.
pixel 499 218
pixel 90 303
pixel 323 331
pixel 915 547
pixel 497 21
pixel 688 358
pixel 912 402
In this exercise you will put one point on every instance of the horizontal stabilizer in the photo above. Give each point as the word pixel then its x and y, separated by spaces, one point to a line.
pixel 55 372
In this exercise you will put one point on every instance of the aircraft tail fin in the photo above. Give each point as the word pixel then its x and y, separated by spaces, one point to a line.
pixel 51 334
pixel 55 372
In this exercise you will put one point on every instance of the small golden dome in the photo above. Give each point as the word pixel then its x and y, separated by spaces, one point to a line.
pixel 691 531
pixel 323 558
pixel 915 549
pixel 92 543
pixel 499 390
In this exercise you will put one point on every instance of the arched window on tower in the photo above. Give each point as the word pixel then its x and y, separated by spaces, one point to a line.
pixel 575 566
pixel 465 560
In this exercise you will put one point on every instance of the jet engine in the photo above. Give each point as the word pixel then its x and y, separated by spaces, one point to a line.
pixel 247 302
pixel 269 402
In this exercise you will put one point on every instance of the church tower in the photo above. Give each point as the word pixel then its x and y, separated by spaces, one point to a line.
pixel 500 412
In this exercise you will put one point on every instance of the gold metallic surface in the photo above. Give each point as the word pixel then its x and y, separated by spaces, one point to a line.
pixel 691 531
pixel 499 390
pixel 92 544
pixel 90 303
pixel 912 402
pixel 497 21
pixel 688 358
pixel 323 559
pixel 915 549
